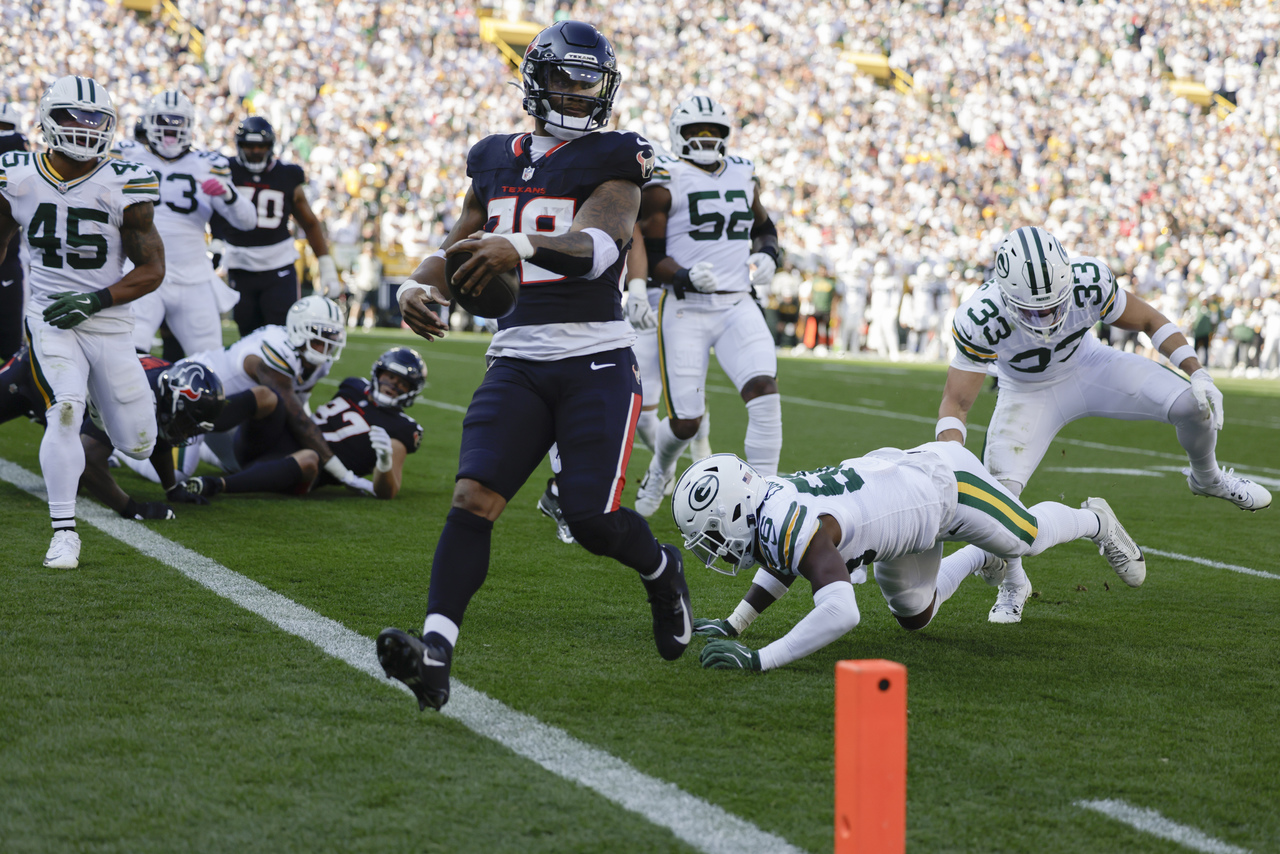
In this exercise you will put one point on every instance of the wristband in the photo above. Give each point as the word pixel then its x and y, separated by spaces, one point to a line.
pixel 771 251
pixel 104 298
pixel 1162 334
pixel 638 287
pixel 521 244
pixel 1181 354
pixel 951 423
pixel 767 582
pixel 410 285
pixel 335 467
pixel 742 617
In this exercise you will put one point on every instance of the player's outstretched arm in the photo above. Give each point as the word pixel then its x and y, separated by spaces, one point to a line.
pixel 961 390
pixel 306 431
pixel 99 483
pixel 391 453
pixel 426 286
pixel 766 588
pixel 1168 339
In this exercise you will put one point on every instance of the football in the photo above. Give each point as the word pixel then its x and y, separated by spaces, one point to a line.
pixel 496 299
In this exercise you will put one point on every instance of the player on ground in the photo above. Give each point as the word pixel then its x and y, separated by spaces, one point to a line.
pixel 260 260
pixel 12 276
pixel 365 424
pixel 1033 321
pixel 82 214
pixel 891 507
pixel 561 204
pixel 194 185
pixel 709 240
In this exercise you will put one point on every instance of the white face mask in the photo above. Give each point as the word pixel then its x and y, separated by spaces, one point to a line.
pixel 567 127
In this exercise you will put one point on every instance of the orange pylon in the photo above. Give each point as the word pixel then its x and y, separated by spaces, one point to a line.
pixel 871 757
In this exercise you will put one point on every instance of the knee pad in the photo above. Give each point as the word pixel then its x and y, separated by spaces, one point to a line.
pixel 602 534
pixel 1185 412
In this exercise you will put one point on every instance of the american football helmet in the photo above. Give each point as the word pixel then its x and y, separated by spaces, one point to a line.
pixel 139 131
pixel 403 362
pixel 9 118
pixel 1035 279
pixel 169 120
pixel 699 110
pixel 570 76
pixel 715 503
pixel 190 399
pixel 256 131
pixel 77 118
pixel 316 329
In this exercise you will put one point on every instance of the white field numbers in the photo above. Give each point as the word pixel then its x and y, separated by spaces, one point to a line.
pixel 541 215
pixel 354 418
pixel 270 204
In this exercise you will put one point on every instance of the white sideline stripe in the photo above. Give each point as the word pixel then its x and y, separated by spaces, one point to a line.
pixel 1211 563
pixel 702 825
pixel 1150 821
pixel 1127 472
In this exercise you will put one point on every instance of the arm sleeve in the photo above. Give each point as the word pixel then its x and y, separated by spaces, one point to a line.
pixel 834 614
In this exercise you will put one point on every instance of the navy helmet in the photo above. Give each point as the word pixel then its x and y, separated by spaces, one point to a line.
pixel 570 76
pixel 403 362
pixel 256 130
pixel 190 398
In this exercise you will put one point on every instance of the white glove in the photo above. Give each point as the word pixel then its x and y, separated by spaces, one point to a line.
pixel 702 278
pixel 762 269
pixel 381 443
pixel 1208 396
pixel 359 484
pixel 329 282
pixel 213 187
pixel 639 312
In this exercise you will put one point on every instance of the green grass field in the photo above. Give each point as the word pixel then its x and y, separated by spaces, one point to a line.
pixel 140 712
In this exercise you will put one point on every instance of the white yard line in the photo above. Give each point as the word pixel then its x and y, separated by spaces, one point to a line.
pixel 1215 564
pixel 700 824
pixel 1150 821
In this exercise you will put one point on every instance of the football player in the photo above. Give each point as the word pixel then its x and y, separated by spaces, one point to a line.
pixel 290 360
pixel 365 424
pixel 12 287
pixel 260 260
pixel 709 241
pixel 1034 322
pixel 194 185
pixel 559 205
pixel 82 213
pixel 891 507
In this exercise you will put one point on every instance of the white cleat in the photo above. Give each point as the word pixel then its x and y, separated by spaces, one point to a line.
pixel 1009 602
pixel 1115 544
pixel 653 488
pixel 992 569
pixel 1240 491
pixel 64 550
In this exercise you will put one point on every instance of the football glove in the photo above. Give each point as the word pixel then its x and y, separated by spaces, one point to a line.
pixel 729 655
pixel 762 269
pixel 213 187
pixel 381 443
pixel 329 283
pixel 1208 396
pixel 180 494
pixel 714 628
pixel 639 312
pixel 703 278
pixel 358 483
pixel 70 309
pixel 147 510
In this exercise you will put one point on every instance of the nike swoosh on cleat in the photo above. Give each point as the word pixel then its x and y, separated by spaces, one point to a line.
pixel 431 662
pixel 7 282
pixel 688 626
pixel 596 367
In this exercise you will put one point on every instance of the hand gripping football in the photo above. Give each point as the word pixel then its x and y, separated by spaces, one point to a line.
pixel 496 299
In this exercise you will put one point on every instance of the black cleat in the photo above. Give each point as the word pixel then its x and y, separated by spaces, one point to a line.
pixel 423 664
pixel 549 505
pixel 669 601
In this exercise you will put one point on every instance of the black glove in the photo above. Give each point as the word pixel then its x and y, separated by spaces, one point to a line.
pixel 147 510
pixel 178 493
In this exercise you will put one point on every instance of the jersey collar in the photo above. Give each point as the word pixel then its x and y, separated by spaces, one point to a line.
pixel 62 186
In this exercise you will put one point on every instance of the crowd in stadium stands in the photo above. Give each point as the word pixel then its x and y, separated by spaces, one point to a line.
pixel 1058 114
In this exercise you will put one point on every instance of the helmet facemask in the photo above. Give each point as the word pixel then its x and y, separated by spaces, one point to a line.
pixel 324 342
pixel 77 118
pixel 169 135
pixel 715 505
pixel 317 330
pixel 1035 279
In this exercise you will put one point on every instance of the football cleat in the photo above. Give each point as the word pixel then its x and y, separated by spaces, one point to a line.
pixel 992 569
pixel 64 550
pixel 549 506
pixel 669 601
pixel 653 488
pixel 423 664
pixel 1240 491
pixel 1115 544
pixel 206 486
pixel 1009 602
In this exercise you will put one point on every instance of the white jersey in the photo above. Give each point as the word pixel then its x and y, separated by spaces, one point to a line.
pixel 986 334
pixel 271 345
pixel 710 217
pixel 72 228
pixel 888 504
pixel 182 217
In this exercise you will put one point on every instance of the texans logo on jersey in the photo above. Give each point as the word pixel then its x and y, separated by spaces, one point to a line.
pixel 646 158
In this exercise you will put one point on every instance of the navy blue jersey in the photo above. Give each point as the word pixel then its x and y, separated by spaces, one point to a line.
pixel 11 271
pixel 520 195
pixel 13 142
pixel 18 392
pixel 272 194
pixel 345 421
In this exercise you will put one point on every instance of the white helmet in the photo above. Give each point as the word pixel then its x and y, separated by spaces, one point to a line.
pixel 316 329
pixel 715 504
pixel 77 118
pixel 9 116
pixel 1035 279
pixel 168 121
pixel 699 109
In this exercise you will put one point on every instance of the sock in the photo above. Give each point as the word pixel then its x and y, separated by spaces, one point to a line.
pixel 647 428
pixel 1197 437
pixel 460 564
pixel 656 573
pixel 763 444
pixel 700 447
pixel 442 626
pixel 669 448
pixel 1059 523
pixel 64 524
pixel 955 568
pixel 282 475
pixel 62 457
